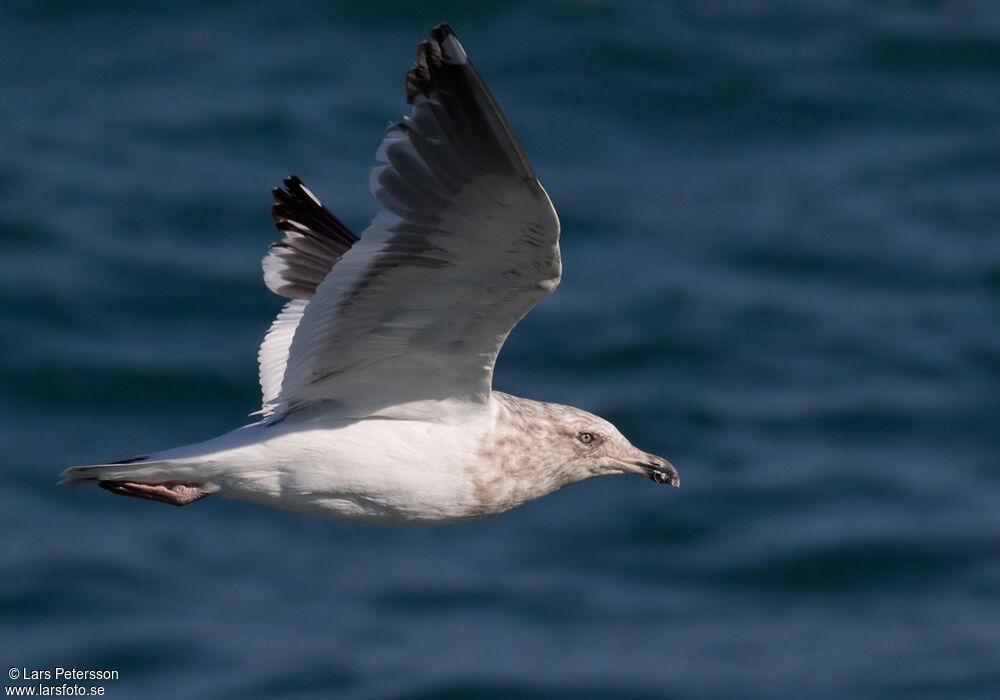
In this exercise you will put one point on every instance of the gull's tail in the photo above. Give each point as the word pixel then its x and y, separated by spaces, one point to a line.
pixel 138 468
pixel 178 475
pixel 145 477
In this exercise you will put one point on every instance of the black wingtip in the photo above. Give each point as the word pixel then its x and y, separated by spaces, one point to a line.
pixel 429 58
pixel 293 190
pixel 314 241
pixel 295 203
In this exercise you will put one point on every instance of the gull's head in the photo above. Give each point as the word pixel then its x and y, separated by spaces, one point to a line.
pixel 535 448
pixel 568 445
pixel 597 447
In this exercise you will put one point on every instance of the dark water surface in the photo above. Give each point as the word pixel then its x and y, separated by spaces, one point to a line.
pixel 782 272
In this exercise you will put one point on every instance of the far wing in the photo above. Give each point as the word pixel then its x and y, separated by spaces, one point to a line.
pixel 465 246
pixel 314 241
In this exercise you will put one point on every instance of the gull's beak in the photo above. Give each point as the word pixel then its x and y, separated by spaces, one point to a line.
pixel 652 467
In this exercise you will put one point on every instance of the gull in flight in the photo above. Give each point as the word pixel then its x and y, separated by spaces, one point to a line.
pixel 377 374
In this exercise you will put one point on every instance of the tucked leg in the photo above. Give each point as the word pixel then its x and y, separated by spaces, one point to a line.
pixel 167 492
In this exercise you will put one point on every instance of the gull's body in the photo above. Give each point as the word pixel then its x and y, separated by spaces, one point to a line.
pixel 377 375
pixel 354 469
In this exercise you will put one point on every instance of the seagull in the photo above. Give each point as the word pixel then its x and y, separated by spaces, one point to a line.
pixel 377 374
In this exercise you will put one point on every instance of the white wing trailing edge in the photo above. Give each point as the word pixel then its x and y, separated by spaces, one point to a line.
pixel 466 244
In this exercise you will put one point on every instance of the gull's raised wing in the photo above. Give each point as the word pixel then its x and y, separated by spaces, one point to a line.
pixel 465 245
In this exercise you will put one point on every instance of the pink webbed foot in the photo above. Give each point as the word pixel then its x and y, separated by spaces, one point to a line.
pixel 167 492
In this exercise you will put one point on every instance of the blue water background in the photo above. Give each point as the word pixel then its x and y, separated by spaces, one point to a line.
pixel 781 239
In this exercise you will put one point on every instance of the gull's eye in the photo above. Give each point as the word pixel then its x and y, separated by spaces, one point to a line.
pixel 585 438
